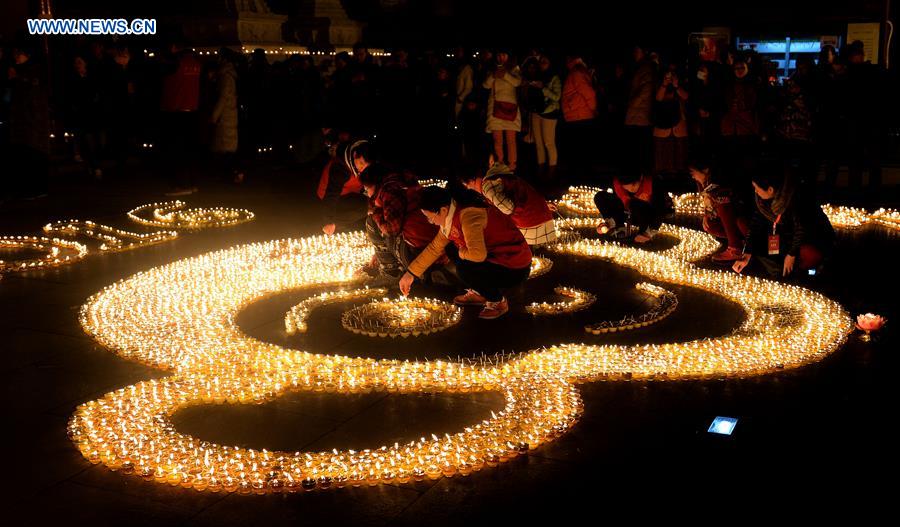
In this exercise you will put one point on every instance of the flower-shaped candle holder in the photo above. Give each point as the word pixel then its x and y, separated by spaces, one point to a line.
pixel 404 317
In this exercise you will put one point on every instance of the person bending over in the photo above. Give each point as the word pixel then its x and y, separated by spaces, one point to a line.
pixel 340 189
pixel 395 224
pixel 490 252
pixel 789 232
pixel 721 217
pixel 514 197
pixel 636 200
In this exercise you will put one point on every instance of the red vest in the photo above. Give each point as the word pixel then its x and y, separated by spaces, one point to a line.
pixel 644 192
pixel 351 186
pixel 531 208
pixel 181 88
pixel 417 230
pixel 504 242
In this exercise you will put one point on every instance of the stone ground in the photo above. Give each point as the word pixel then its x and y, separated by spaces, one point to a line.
pixel 812 440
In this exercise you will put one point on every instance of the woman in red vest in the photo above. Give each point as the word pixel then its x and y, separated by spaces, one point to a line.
pixel 517 199
pixel 491 253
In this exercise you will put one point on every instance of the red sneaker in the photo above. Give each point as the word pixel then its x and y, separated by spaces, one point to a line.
pixel 494 310
pixel 730 254
pixel 470 298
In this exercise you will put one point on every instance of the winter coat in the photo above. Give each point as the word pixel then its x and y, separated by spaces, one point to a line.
pixel 800 221
pixel 503 90
pixel 29 109
pixel 641 94
pixel 579 100
pixel 225 112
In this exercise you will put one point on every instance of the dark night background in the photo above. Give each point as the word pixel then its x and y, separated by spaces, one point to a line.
pixel 569 23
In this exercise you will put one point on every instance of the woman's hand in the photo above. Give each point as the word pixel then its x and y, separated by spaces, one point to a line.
pixel 788 265
pixel 406 282
pixel 741 263
pixel 328 229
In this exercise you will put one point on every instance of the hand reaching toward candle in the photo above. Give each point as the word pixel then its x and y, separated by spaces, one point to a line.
pixel 406 282
pixel 788 265
pixel 741 263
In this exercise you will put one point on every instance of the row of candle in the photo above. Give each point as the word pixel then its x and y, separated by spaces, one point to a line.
pixel 296 317
pixel 174 215
pixel 577 300
pixel 579 201
pixel 540 266
pixel 111 239
pixel 664 304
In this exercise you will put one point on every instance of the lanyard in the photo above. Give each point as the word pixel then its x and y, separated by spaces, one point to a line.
pixel 775 225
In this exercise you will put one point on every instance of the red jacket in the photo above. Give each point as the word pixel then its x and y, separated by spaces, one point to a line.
pixel 351 184
pixel 504 242
pixel 644 192
pixel 579 100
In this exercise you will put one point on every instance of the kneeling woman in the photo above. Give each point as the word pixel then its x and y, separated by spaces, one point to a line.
pixel 789 231
pixel 491 254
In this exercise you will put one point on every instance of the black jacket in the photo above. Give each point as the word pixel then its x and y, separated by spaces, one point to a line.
pixel 802 222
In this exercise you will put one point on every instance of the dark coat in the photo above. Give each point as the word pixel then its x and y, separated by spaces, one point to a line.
pixel 29 109
pixel 802 222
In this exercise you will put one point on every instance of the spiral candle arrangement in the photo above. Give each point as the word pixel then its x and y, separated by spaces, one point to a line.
pixel 181 317
pixel 295 319
pixel 404 317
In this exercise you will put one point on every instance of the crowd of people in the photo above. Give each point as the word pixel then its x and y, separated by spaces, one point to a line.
pixel 496 128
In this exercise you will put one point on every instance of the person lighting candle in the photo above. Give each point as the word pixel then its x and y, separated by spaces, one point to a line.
pixel 489 250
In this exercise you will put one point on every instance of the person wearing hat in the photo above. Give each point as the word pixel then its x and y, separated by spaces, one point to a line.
pixel 514 197
pixel 340 189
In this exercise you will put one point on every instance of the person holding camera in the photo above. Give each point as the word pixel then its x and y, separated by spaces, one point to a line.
pixel 670 131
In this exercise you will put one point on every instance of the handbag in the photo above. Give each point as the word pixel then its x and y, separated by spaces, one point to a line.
pixel 507 111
